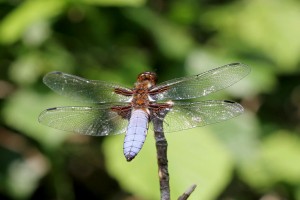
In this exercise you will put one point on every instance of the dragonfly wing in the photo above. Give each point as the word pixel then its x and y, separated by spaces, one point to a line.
pixel 84 90
pixel 201 84
pixel 189 115
pixel 95 121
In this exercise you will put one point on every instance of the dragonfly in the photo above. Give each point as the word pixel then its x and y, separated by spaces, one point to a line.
pixel 117 109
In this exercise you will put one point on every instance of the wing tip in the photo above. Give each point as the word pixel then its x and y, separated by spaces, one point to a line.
pixel 48 75
pixel 228 101
pixel 54 72
pixel 40 118
pixel 238 106
pixel 50 109
pixel 239 64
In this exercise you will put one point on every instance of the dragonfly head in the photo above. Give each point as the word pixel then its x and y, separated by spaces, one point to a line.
pixel 150 77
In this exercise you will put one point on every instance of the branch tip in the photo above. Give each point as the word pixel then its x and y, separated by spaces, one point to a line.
pixel 188 192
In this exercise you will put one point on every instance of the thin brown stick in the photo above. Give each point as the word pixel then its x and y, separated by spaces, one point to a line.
pixel 162 159
pixel 187 193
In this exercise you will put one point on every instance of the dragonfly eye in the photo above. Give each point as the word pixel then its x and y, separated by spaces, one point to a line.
pixel 147 76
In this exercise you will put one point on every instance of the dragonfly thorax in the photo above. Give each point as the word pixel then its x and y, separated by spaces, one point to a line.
pixel 140 98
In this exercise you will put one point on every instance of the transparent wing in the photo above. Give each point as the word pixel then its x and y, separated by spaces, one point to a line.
pixel 201 84
pixel 95 121
pixel 189 115
pixel 84 90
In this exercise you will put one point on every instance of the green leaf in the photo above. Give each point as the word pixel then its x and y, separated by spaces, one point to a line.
pixel 278 161
pixel 267 28
pixel 31 11
pixel 173 41
pixel 22 110
pixel 195 157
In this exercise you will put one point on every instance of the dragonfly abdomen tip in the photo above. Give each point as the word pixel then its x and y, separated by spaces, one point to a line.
pixel 129 157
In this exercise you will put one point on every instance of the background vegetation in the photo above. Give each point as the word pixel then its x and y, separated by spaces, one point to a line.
pixel 254 156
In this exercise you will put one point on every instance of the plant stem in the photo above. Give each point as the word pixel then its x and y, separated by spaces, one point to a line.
pixel 187 193
pixel 162 159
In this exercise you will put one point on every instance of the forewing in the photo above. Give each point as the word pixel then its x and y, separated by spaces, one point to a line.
pixel 189 115
pixel 95 121
pixel 201 84
pixel 84 90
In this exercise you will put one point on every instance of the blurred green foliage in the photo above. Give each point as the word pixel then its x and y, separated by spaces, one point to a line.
pixel 254 156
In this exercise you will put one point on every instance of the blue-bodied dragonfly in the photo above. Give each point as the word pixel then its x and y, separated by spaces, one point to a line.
pixel 119 109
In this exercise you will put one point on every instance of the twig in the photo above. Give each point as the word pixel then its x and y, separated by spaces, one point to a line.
pixel 162 159
pixel 187 193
